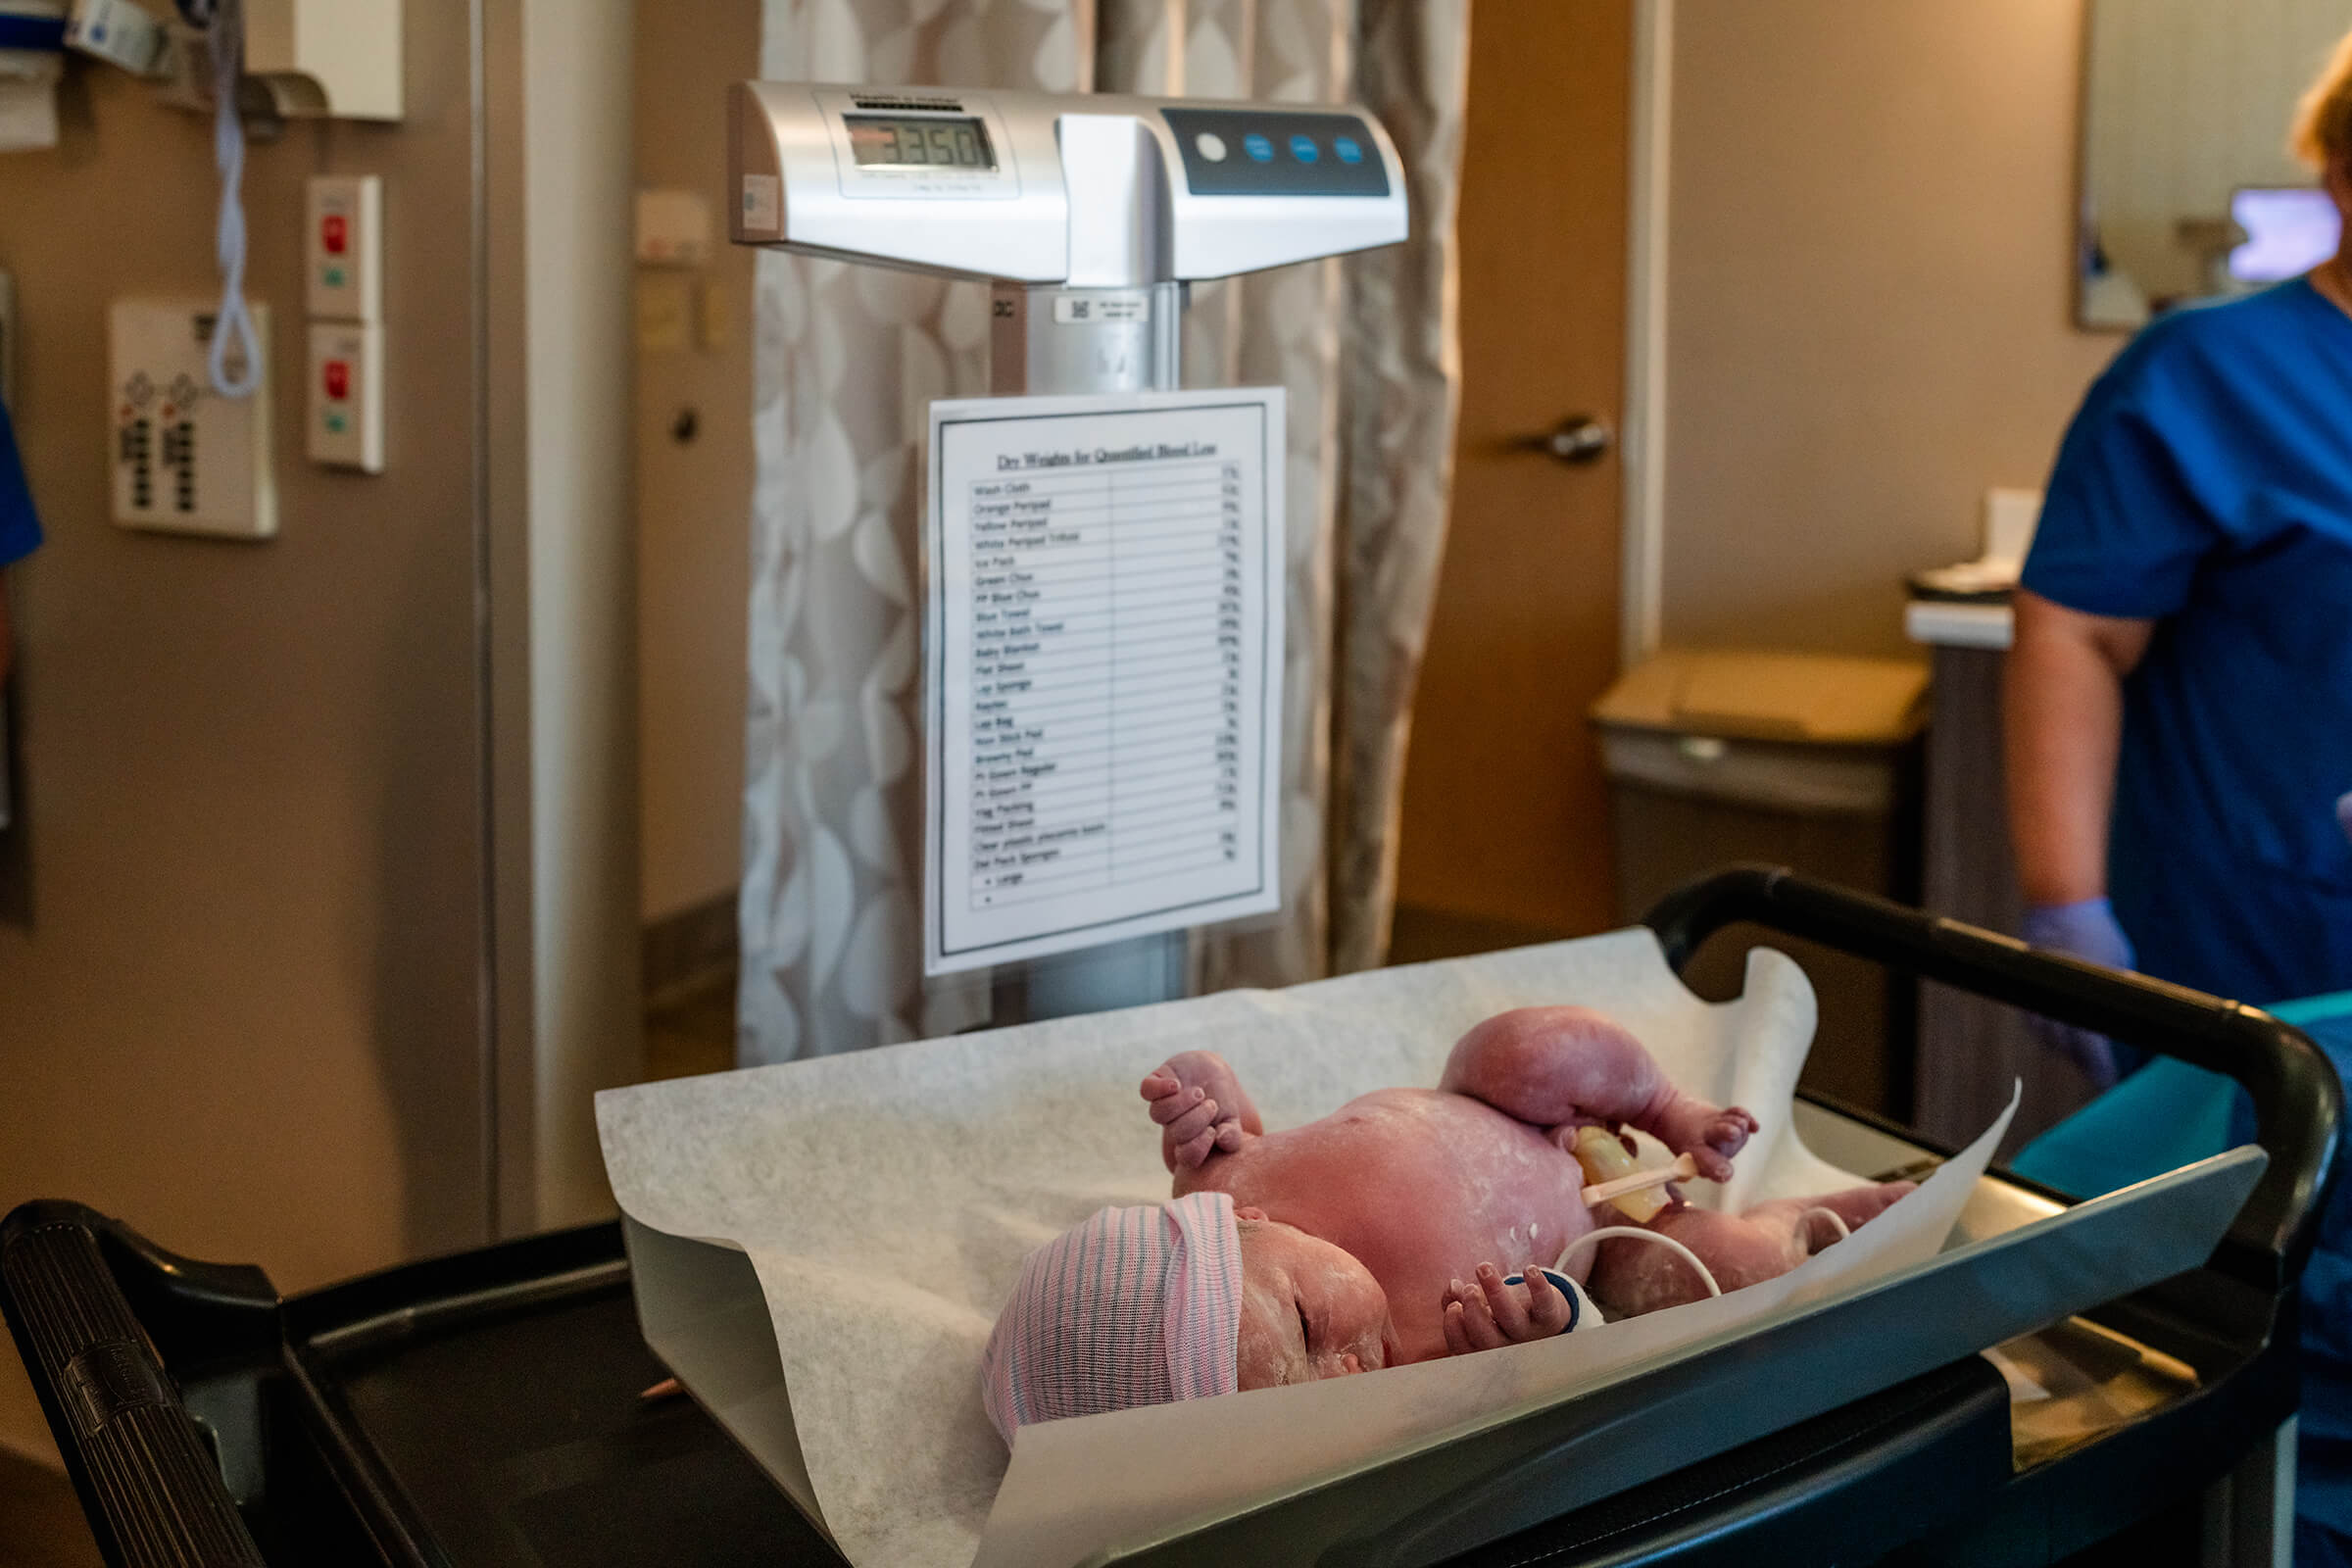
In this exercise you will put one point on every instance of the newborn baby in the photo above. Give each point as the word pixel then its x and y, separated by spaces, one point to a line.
pixel 1382 1233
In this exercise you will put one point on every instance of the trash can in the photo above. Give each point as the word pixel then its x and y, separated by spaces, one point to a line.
pixel 1800 760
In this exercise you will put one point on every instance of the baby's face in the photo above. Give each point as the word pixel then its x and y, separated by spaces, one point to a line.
pixel 1309 1309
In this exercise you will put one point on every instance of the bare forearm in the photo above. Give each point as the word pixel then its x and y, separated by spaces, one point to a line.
pixel 2063 705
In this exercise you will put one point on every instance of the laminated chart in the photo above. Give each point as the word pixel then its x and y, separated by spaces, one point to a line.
pixel 1103 661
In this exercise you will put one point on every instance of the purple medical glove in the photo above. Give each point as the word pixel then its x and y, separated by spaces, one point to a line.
pixel 2084 930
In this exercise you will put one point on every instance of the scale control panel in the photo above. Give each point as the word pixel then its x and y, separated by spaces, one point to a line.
pixel 1260 152
pixel 1084 190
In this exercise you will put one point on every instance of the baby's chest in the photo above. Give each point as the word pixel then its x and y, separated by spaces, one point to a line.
pixel 1433 1189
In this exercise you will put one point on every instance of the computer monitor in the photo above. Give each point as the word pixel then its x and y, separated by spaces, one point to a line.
pixel 2289 229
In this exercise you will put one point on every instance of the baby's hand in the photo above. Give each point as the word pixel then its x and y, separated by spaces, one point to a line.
pixel 1485 1312
pixel 1199 1107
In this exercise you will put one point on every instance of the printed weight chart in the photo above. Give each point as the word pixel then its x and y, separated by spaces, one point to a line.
pixel 1106 677
pixel 1104 659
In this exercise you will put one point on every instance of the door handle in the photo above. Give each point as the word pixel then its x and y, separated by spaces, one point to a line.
pixel 1577 440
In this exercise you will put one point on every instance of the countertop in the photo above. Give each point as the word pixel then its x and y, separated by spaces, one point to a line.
pixel 1957 625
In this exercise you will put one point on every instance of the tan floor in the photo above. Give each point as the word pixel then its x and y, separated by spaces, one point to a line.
pixel 694 1033
pixel 40 1519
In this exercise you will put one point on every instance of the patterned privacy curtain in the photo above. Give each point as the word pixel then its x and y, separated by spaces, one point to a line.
pixel 847 359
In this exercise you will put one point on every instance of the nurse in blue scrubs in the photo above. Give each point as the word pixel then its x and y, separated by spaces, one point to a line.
pixel 20 530
pixel 2179 694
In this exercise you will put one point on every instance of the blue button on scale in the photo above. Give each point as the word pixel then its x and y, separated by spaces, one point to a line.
pixel 1258 147
pixel 1303 148
pixel 1348 149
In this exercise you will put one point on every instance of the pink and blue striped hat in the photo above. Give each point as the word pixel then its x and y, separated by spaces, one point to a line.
pixel 1134 1307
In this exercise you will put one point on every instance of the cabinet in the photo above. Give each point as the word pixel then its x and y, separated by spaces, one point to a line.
pixel 1971 1050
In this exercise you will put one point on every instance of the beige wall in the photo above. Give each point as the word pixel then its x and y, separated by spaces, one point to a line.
pixel 694 498
pixel 244 1013
pixel 1869 292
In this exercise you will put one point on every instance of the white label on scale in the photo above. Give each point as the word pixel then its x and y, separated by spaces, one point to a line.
pixel 1090 310
pixel 763 201
pixel 1103 662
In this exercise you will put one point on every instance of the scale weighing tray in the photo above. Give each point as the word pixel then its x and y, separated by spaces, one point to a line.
pixel 484 1409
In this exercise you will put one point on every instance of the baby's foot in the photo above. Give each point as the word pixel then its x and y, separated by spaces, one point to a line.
pixel 1724 1135
pixel 1486 1313
pixel 1199 1108
pixel 1712 1138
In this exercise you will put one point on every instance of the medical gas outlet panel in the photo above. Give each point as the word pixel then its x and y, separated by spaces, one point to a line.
pixel 1080 190
pixel 185 458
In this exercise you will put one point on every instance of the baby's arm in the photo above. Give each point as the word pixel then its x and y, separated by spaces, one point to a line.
pixel 1200 1107
pixel 1558 1065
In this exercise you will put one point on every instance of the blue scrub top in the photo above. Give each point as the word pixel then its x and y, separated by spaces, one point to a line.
pixel 20 530
pixel 2207 485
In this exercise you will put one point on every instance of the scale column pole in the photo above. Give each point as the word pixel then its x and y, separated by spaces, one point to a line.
pixel 1047 339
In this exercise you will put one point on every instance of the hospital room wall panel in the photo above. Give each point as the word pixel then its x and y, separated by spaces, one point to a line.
pixel 694 493
pixel 241 1007
pixel 571 105
pixel 1870 227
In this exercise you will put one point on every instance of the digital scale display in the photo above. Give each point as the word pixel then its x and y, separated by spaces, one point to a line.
pixel 889 142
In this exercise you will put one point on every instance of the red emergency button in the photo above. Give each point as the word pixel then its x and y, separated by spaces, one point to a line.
pixel 334 233
pixel 338 379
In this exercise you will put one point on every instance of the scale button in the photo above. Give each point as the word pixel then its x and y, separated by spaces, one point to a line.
pixel 1212 146
pixel 1349 149
pixel 1259 149
pixel 1303 149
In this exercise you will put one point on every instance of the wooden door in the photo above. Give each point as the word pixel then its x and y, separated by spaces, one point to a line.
pixel 1505 832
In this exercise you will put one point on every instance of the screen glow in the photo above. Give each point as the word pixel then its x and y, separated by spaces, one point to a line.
pixel 2290 231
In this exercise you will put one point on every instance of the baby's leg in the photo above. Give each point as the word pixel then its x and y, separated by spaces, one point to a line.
pixel 1856 1207
pixel 1200 1108
pixel 1555 1066
pixel 1769 1239
pixel 1632 1276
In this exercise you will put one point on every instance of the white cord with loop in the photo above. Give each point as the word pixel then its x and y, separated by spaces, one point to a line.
pixel 1636 1232
pixel 233 326
pixel 1830 1215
